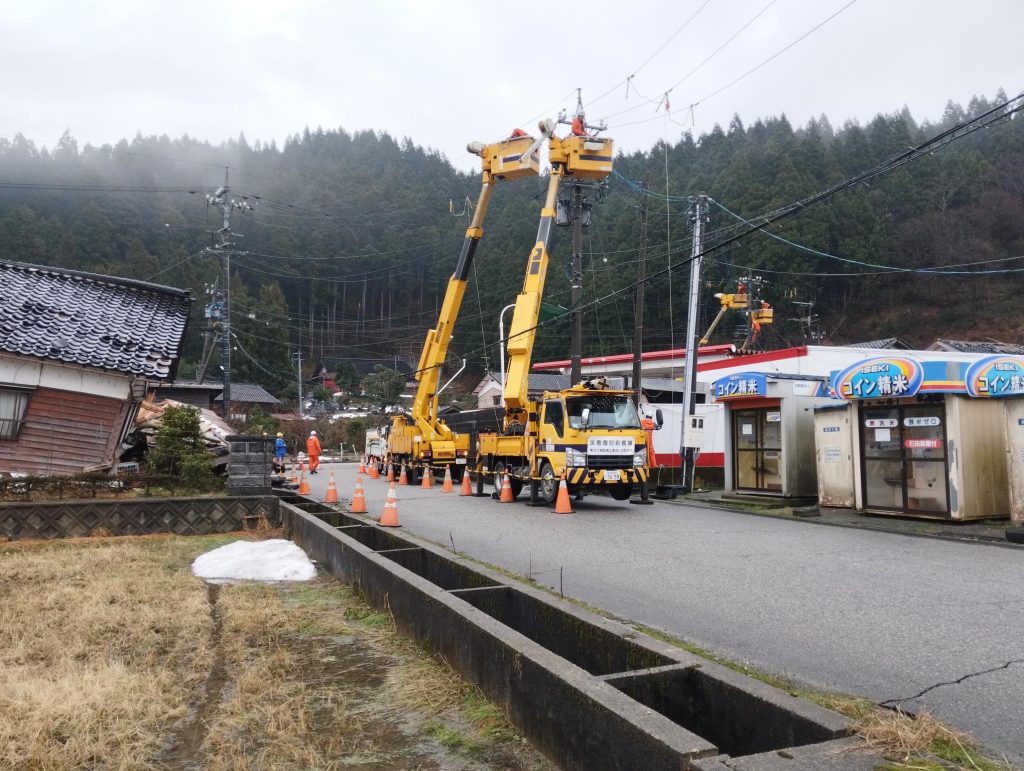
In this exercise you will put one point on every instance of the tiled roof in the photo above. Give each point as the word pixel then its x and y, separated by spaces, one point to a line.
pixel 206 385
pixel 543 381
pixel 95 321
pixel 538 381
pixel 892 343
pixel 249 393
pixel 963 346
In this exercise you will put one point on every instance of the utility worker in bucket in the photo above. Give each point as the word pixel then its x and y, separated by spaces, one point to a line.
pixel 313 451
pixel 280 450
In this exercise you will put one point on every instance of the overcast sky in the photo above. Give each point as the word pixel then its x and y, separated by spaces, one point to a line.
pixel 446 71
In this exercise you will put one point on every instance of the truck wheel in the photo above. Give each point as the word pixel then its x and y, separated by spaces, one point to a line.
pixel 621 491
pixel 497 477
pixel 548 483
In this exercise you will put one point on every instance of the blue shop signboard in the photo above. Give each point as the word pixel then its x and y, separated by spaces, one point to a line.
pixel 996 376
pixel 741 385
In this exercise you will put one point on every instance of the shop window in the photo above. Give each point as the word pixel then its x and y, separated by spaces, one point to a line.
pixel 13 403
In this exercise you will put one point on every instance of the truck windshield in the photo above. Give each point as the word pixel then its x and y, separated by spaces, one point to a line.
pixel 605 412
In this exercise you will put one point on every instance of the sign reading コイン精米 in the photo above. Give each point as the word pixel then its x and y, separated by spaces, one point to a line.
pixel 996 376
pixel 875 378
pixel 739 385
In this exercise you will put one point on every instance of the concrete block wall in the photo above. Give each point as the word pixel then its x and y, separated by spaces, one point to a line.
pixel 249 464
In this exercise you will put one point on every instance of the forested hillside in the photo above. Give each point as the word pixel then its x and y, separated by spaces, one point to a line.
pixel 352 238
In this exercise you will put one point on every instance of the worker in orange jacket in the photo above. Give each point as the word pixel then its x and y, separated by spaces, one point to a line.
pixel 313 451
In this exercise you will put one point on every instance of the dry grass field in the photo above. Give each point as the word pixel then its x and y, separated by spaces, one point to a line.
pixel 113 656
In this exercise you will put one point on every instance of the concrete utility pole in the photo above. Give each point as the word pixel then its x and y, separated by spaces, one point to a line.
pixel 576 342
pixel 698 216
pixel 221 199
pixel 638 304
pixel 298 358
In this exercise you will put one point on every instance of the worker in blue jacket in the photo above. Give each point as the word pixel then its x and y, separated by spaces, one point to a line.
pixel 279 451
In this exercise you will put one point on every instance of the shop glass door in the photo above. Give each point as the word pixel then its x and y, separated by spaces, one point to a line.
pixel 757 449
pixel 904 458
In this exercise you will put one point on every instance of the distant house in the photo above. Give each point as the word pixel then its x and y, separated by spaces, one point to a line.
pixel 209 395
pixel 244 398
pixel 327 367
pixel 984 346
pixel 488 391
pixel 190 392
pixel 76 353
pixel 888 343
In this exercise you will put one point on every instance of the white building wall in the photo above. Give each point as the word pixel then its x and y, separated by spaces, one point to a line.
pixel 39 374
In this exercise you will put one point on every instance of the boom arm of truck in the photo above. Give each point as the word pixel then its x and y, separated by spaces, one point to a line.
pixel 509 159
pixel 523 330
pixel 582 158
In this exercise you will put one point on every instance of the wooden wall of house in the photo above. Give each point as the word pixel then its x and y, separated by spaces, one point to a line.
pixel 65 432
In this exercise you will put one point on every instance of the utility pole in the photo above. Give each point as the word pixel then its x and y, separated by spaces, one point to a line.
pixel 576 343
pixel 698 216
pixel 638 303
pixel 222 200
pixel 298 358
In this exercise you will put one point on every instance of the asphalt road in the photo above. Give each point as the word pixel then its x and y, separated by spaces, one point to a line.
pixel 911 621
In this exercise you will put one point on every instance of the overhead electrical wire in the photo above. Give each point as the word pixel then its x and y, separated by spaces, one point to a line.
pixel 746 74
pixel 1001 112
pixel 711 56
pixel 862 263
pixel 657 51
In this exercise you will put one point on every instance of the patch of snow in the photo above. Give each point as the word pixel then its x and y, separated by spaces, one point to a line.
pixel 272 560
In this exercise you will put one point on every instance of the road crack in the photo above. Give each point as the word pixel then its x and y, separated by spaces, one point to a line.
pixel 894 702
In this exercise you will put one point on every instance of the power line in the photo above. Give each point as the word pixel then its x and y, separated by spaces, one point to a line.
pixel 749 72
pixel 660 48
pixel 711 56
pixel 1001 112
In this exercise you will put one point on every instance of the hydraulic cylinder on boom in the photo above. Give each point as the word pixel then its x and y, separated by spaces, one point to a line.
pixel 421 440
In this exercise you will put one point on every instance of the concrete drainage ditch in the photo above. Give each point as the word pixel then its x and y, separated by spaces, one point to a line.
pixel 590 693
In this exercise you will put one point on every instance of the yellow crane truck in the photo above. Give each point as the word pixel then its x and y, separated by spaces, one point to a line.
pixel 421 440
pixel 589 434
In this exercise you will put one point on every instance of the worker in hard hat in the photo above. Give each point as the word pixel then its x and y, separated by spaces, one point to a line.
pixel 280 450
pixel 313 451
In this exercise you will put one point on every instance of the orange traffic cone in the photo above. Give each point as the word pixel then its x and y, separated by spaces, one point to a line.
pixel 301 466
pixel 403 478
pixel 562 505
pixel 506 490
pixel 358 505
pixel 467 487
pixel 389 518
pixel 332 490
pixel 362 466
pixel 391 472
pixel 447 486
pixel 304 484
pixel 428 478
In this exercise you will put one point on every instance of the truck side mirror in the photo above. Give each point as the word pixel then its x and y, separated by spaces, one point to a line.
pixel 659 418
pixel 585 417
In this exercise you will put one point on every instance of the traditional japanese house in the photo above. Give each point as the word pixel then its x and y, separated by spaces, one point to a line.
pixel 76 352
